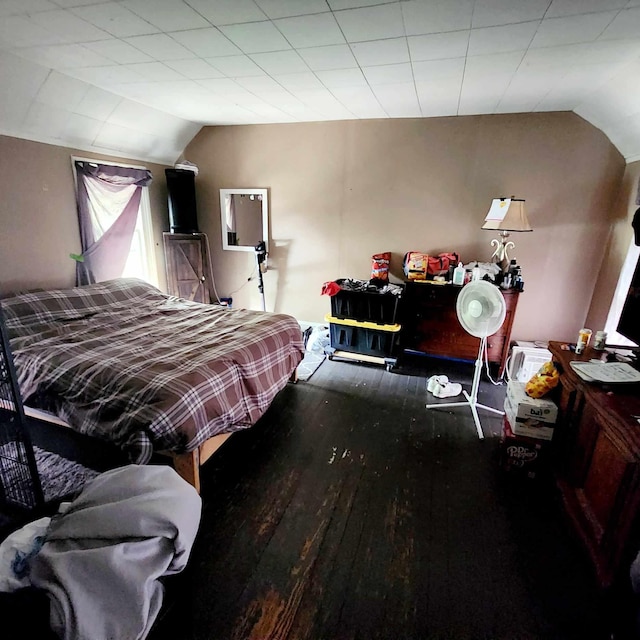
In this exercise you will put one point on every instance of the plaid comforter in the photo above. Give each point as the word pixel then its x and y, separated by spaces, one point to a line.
pixel 122 361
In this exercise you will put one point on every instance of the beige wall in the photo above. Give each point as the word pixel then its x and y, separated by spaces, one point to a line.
pixel 38 219
pixel 617 245
pixel 341 191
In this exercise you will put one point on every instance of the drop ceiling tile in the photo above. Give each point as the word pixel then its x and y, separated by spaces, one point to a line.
pixel 106 76
pixel 16 7
pixel 441 70
pixel 337 56
pixel 19 31
pixel 340 78
pixel 206 43
pixel 123 139
pixel 228 11
pixel 337 5
pixel 160 46
pixel 63 56
pixel 69 4
pixel 145 118
pixel 438 46
pixel 311 31
pixel 561 8
pixel 224 86
pixel 45 120
pixel 513 37
pixel 275 9
pixel 391 51
pixel 487 13
pixel 360 101
pixel 324 103
pixel 62 91
pixel 494 63
pixel 167 15
pixel 482 94
pixel 118 51
pixel 256 37
pixel 299 82
pixel 625 25
pixel 569 30
pixel 438 16
pixel 388 74
pixel 278 62
pixel 153 71
pixel 398 100
pixel 97 103
pixel 439 99
pixel 80 128
pixel 115 19
pixel 259 84
pixel 194 68
pixel 68 26
pixel 236 66
pixel 371 23
pixel 20 81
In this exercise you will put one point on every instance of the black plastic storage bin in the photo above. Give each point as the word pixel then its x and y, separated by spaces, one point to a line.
pixel 365 306
pixel 371 342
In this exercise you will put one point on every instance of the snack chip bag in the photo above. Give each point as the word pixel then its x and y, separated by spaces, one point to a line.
pixel 543 381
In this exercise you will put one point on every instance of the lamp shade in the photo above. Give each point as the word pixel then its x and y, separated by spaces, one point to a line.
pixel 513 219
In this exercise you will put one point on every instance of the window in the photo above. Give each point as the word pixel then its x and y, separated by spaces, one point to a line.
pixel 105 209
pixel 624 282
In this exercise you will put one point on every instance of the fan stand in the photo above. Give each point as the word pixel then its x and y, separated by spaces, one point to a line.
pixel 472 398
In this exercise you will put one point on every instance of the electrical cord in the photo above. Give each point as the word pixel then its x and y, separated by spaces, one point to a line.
pixel 247 281
pixel 486 364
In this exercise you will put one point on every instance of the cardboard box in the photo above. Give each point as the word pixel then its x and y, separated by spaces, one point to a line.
pixel 525 407
pixel 528 427
pixel 520 455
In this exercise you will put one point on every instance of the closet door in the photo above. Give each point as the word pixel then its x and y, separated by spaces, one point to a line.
pixel 188 266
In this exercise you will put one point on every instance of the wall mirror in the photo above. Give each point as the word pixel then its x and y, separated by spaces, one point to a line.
pixel 244 215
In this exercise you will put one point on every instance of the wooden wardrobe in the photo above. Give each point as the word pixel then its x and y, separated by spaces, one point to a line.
pixel 188 266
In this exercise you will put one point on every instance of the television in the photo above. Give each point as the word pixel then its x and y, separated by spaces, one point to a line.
pixel 629 323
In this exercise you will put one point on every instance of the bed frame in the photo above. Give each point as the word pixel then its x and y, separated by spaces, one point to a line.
pixel 188 464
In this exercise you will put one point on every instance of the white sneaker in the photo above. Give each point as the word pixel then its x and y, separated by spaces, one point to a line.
pixel 447 390
pixel 434 381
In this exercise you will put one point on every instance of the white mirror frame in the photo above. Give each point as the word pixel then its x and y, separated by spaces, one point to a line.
pixel 223 220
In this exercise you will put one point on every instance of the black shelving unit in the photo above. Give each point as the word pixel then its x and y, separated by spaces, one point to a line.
pixel 363 327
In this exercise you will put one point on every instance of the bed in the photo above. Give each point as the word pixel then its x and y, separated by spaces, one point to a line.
pixel 124 362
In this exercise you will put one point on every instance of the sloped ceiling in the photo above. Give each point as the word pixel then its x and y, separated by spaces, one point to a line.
pixel 139 77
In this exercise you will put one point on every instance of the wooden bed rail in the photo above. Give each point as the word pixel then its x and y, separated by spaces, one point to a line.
pixel 188 465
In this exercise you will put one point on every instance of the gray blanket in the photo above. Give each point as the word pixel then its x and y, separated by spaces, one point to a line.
pixel 103 556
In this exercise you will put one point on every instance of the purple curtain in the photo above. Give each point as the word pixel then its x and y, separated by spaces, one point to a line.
pixel 116 192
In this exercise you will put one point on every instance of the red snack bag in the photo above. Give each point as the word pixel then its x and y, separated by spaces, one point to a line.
pixel 380 266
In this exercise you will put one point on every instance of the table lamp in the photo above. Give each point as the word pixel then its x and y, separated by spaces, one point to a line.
pixel 505 215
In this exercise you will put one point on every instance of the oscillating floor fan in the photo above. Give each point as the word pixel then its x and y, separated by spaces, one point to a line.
pixel 481 311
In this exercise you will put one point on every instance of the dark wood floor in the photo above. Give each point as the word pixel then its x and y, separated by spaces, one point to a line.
pixel 351 511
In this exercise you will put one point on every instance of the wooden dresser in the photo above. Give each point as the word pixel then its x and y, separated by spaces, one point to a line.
pixel 430 324
pixel 597 465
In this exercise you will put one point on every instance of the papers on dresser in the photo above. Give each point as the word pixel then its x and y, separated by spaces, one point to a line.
pixel 610 372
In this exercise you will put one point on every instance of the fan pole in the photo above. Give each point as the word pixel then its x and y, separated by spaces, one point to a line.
pixel 472 398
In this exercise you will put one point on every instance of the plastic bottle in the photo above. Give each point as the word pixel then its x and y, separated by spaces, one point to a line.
pixel 458 275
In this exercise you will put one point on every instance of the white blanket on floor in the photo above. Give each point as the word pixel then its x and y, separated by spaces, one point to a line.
pixel 103 556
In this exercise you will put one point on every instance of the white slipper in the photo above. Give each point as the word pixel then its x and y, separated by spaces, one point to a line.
pixel 434 381
pixel 447 390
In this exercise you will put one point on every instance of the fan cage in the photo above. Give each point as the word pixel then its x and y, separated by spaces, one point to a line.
pixel 20 487
pixel 481 328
